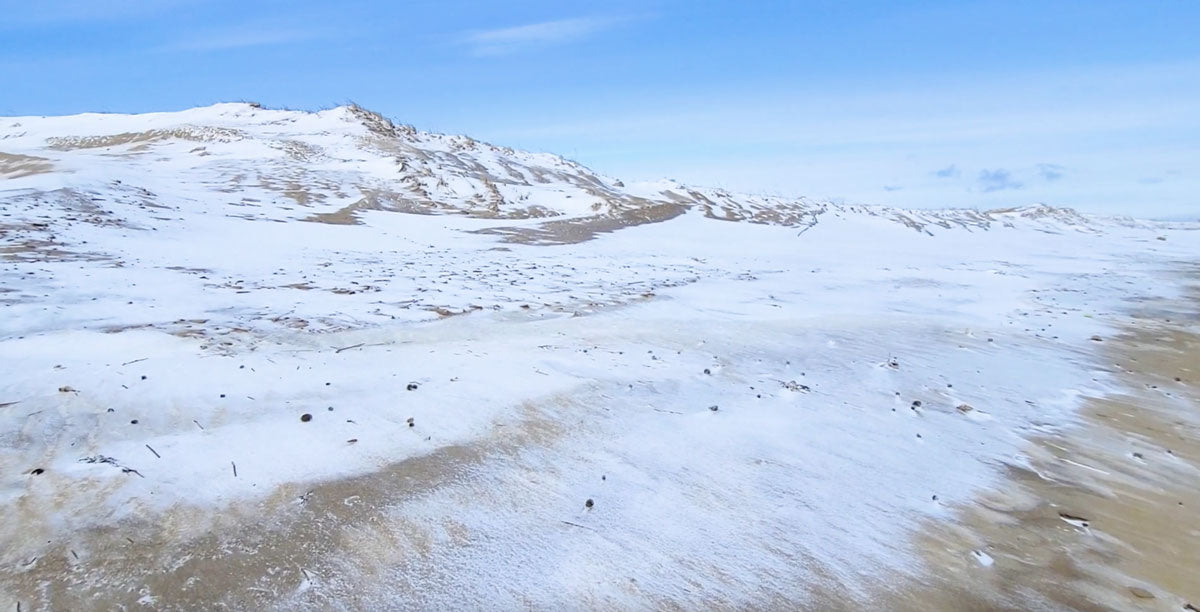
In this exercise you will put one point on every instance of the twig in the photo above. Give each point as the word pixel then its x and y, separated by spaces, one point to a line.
pixel 234 468
pixel 666 411
pixel 198 424
pixel 154 451
pixel 361 344
pixel 578 525
pixel 134 361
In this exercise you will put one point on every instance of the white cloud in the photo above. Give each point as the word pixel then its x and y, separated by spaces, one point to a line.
pixel 504 41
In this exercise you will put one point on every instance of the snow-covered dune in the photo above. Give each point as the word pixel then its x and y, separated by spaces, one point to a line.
pixel 552 388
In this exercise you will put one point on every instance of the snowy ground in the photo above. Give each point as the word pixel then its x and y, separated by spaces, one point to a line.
pixel 751 409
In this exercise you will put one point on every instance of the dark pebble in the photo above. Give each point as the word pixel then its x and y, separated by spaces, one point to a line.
pixel 589 503
pixel 330 408
pixel 133 422
pixel 412 386
pixel 714 408
pixel 306 417
pixel 707 371
pixel 37 471
pixel 143 377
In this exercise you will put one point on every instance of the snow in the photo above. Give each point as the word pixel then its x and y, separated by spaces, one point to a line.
pixel 193 294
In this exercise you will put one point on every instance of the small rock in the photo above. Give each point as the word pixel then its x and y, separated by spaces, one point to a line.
pixel 1141 593
pixel 916 404
pixel 707 371
pixel 965 408
pixel 133 422
pixel 352 441
pixel 143 377
pixel 411 423
pixel 37 471
pixel 66 389
pixel 412 386
pixel 1097 339
pixel 588 504
pixel 1137 456
pixel 306 417
pixel 714 408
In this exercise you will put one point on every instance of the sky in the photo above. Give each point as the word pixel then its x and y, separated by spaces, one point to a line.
pixel 1091 104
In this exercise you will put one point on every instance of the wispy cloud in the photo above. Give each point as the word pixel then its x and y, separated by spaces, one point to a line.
pixel 1050 172
pixel 504 41
pixel 997 180
pixel 245 37
pixel 950 171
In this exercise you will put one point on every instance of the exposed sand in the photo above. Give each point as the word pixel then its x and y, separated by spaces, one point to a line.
pixel 573 231
pixel 1107 515
pixel 13 165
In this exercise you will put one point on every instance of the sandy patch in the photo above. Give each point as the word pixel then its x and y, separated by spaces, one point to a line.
pixel 1106 515
pixel 573 231
pixel 142 140
pixel 259 555
pixel 15 165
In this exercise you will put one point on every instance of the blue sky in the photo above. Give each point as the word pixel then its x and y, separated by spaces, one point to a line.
pixel 1092 104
